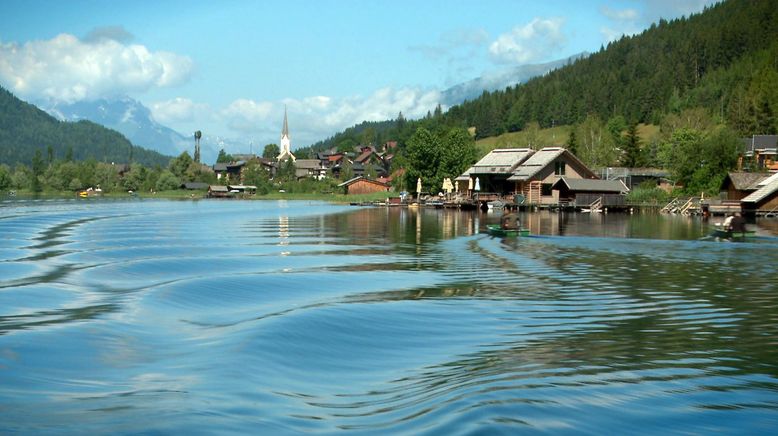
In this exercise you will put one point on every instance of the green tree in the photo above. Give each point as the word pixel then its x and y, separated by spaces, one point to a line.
pixel 346 170
pixel 572 142
pixel 179 165
pixel 287 172
pixel 346 145
pixel 256 175
pixel 37 172
pixel 271 151
pixel 21 177
pixel 423 157
pixel 5 177
pixel 632 155
pixel 133 179
pixel 532 133
pixel 106 177
pixel 223 157
pixel 458 154
pixel 167 181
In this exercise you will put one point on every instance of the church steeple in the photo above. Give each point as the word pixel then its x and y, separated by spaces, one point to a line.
pixel 286 143
pixel 285 130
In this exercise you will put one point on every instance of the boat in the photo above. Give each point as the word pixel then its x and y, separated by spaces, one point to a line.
pixel 727 234
pixel 496 230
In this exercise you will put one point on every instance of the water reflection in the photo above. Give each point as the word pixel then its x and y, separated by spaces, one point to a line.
pixel 291 317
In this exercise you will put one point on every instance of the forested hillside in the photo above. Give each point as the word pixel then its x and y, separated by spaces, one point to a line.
pixel 25 129
pixel 724 59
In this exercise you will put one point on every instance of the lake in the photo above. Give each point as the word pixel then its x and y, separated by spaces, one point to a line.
pixel 284 317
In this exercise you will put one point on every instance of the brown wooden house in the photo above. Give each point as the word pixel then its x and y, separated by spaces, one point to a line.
pixel 535 177
pixel 585 192
pixel 737 186
pixel 361 185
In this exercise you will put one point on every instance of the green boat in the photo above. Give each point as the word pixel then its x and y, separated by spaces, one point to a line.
pixel 727 234
pixel 496 230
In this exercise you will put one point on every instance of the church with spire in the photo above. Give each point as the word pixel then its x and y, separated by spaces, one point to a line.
pixel 286 143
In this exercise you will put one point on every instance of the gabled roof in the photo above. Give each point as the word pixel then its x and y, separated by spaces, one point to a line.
pixel 220 166
pixel 591 185
pixel 356 179
pixel 541 159
pixel 768 180
pixel 746 181
pixel 761 142
pixel 364 156
pixel 762 193
pixel 218 188
pixel 501 161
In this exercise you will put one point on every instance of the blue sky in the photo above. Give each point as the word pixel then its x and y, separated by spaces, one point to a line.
pixel 230 67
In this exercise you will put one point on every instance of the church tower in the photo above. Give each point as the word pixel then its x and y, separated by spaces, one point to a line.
pixel 286 143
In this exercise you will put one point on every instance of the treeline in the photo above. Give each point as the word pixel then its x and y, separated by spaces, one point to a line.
pixel 25 130
pixel 58 175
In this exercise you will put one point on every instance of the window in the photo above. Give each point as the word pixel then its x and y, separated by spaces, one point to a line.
pixel 545 189
pixel 559 168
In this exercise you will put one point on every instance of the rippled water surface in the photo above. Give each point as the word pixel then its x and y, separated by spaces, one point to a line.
pixel 290 317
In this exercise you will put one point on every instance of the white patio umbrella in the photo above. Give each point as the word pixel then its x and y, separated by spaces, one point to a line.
pixel 477 184
pixel 469 184
pixel 418 185
pixel 456 185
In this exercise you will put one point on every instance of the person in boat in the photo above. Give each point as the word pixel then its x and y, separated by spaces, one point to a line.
pixel 510 221
pixel 727 225
pixel 738 224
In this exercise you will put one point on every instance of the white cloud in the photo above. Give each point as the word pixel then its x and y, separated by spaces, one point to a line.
pixel 456 52
pixel 533 42
pixel 179 109
pixel 68 69
pixel 310 119
pixel 619 15
pixel 633 21
pixel 246 115
pixel 669 9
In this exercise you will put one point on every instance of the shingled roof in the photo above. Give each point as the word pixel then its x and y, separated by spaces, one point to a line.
pixel 501 161
pixel 746 181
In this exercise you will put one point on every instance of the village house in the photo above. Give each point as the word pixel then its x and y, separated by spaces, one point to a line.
pixel 738 185
pixel 633 177
pixel 229 171
pixel 493 171
pixel 362 185
pixel 309 168
pixel 760 151
pixel 535 177
pixel 590 193
pixel 522 173
pixel 218 191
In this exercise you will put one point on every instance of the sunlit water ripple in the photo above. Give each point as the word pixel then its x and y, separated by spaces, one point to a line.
pixel 289 317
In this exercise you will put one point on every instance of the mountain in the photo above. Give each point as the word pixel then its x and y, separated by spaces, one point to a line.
pixel 24 129
pixel 132 119
pixel 502 79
